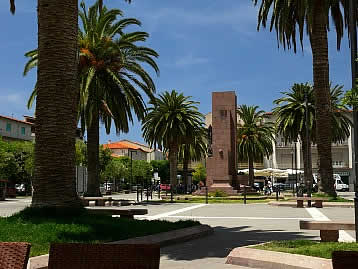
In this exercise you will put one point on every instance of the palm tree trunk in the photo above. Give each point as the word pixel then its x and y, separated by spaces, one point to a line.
pixel 251 171
pixel 93 157
pixel 173 160
pixel 56 108
pixel 185 168
pixel 319 43
pixel 307 163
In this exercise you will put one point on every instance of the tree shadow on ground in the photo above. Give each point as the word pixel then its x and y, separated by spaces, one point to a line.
pixel 224 240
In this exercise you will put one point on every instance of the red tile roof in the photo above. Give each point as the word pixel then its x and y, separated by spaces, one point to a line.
pixel 121 145
pixel 13 119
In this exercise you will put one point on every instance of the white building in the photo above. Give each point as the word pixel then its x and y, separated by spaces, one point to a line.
pixel 284 154
pixel 134 150
pixel 13 129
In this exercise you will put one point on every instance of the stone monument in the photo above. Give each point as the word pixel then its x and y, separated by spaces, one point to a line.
pixel 221 165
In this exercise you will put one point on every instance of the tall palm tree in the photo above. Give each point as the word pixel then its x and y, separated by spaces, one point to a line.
pixel 12 6
pixel 291 121
pixel 170 122
pixel 56 108
pixel 291 19
pixel 254 137
pixel 194 150
pixel 114 78
pixel 110 72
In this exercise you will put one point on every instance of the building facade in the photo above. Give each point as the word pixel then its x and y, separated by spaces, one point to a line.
pixel 12 129
pixel 284 154
pixel 134 150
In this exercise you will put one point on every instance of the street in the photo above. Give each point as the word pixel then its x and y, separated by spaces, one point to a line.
pixel 234 224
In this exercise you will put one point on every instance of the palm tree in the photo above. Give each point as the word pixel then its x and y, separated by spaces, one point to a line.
pixel 12 6
pixel 254 137
pixel 170 122
pixel 289 19
pixel 56 108
pixel 113 79
pixel 194 150
pixel 109 74
pixel 291 121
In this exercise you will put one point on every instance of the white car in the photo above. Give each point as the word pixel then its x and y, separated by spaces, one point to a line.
pixel 340 186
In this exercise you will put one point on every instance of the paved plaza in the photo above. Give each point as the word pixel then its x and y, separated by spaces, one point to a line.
pixel 234 224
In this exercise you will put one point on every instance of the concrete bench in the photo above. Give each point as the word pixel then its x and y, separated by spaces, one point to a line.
pixel 124 213
pixel 318 201
pixel 99 201
pixel 329 230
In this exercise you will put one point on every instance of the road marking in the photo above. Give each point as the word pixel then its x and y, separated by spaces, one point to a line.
pixel 249 218
pixel 167 214
pixel 319 216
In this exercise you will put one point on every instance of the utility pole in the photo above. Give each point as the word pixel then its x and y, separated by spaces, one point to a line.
pixel 353 39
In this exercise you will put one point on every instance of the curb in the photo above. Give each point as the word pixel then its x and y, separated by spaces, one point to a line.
pixel 163 239
pixel 265 259
pixel 325 204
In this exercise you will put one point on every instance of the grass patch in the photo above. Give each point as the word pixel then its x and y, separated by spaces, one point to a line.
pixel 42 226
pixel 331 198
pixel 308 248
pixel 215 201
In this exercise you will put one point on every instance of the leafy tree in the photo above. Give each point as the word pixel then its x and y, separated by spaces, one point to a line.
pixel 142 172
pixel 170 121
pixel 200 173
pixel 163 169
pixel 254 137
pixel 81 153
pixel 114 170
pixel 291 120
pixel 105 158
pixel 16 162
pixel 292 19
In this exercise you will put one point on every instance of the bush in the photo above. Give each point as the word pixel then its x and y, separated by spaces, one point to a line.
pixel 218 193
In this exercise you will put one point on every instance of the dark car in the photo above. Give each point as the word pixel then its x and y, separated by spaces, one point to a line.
pixel 279 186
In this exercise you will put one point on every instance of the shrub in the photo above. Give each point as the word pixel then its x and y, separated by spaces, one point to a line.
pixel 218 193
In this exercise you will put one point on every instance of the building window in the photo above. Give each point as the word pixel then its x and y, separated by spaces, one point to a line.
pixel 23 130
pixel 8 127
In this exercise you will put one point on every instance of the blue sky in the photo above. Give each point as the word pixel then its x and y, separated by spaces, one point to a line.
pixel 204 46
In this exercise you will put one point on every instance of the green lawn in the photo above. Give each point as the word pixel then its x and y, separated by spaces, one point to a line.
pixel 40 227
pixel 332 199
pixel 216 200
pixel 308 248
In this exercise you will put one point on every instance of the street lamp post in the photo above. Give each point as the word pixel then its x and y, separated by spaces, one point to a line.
pixel 308 144
pixel 292 155
pixel 295 146
pixel 131 180
pixel 353 39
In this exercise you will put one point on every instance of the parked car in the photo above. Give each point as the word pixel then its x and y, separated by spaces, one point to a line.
pixel 165 187
pixel 340 186
pixel 280 186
